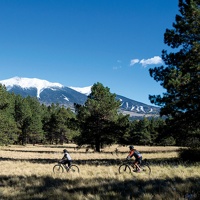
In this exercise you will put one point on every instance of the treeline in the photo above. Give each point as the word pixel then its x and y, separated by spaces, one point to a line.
pixel 98 122
pixel 25 120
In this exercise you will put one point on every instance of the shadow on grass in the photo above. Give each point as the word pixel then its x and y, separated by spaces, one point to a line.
pixel 95 162
pixel 35 160
pixel 61 151
pixel 28 151
pixel 83 151
pixel 48 187
pixel 105 162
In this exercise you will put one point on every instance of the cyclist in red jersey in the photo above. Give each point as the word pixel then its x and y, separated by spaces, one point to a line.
pixel 137 155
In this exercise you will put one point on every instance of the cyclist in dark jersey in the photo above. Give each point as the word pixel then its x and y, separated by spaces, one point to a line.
pixel 137 155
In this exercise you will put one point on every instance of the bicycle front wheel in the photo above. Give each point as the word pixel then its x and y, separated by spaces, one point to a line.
pixel 58 169
pixel 124 168
pixel 74 169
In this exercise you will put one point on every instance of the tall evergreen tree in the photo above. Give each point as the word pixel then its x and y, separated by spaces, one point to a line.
pixel 8 128
pixel 63 132
pixel 22 114
pixel 98 117
pixel 156 127
pixel 181 74
pixel 122 128
pixel 4 97
pixel 35 131
pixel 57 124
pixel 139 132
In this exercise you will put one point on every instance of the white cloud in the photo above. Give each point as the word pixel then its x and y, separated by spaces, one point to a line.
pixel 144 62
pixel 134 61
pixel 151 61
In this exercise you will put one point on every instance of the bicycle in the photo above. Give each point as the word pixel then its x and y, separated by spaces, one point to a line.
pixel 127 165
pixel 59 168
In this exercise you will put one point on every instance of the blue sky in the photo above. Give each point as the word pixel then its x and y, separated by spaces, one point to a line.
pixel 82 42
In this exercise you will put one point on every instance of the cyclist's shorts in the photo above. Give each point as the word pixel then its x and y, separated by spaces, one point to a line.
pixel 139 160
pixel 66 162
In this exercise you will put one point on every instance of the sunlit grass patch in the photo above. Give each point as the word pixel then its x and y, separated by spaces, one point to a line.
pixel 27 173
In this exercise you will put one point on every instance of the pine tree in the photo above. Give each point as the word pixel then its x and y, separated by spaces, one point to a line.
pixel 22 115
pixel 8 127
pixel 181 74
pixel 98 118
pixel 35 132
pixel 57 124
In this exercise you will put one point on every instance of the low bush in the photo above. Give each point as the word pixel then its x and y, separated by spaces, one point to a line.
pixel 190 154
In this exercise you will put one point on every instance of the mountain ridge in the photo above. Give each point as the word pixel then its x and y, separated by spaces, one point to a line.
pixel 48 93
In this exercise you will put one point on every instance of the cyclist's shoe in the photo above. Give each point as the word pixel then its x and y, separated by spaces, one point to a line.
pixel 137 170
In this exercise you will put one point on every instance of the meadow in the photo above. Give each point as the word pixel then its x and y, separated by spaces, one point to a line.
pixel 26 173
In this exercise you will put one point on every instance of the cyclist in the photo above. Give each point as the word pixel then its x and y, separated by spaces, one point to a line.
pixel 138 157
pixel 66 158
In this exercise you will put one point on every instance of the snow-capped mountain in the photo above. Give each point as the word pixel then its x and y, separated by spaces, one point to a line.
pixel 45 91
pixel 27 83
pixel 48 93
pixel 83 90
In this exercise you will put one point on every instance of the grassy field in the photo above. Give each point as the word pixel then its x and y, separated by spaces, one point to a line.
pixel 26 173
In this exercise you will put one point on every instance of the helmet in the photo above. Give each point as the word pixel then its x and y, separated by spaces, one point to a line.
pixel 131 147
pixel 65 150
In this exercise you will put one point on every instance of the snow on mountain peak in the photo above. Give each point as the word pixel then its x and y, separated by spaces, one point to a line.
pixel 29 83
pixel 83 90
pixel 39 84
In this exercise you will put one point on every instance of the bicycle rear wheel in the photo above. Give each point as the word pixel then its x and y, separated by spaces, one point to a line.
pixel 74 169
pixel 146 169
pixel 124 168
pixel 58 169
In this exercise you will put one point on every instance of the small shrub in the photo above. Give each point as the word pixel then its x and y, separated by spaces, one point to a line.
pixel 190 154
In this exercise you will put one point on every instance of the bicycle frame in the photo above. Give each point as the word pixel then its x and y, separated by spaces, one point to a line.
pixel 60 167
pixel 126 167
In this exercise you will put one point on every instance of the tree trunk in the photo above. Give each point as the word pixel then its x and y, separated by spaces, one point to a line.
pixel 97 147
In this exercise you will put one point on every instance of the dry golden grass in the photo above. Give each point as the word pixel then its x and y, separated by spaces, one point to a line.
pixel 26 173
